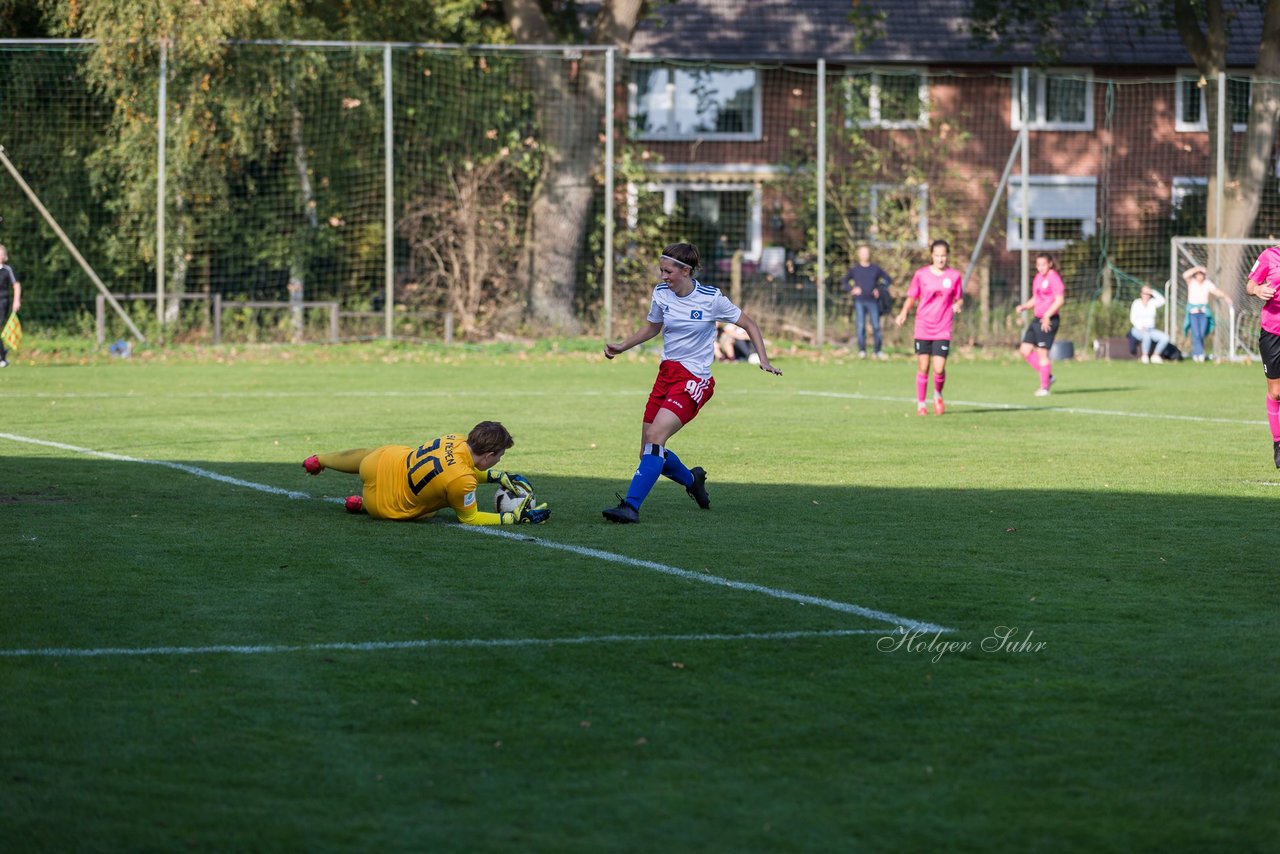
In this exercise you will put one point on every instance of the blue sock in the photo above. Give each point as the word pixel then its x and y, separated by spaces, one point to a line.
pixel 676 470
pixel 651 460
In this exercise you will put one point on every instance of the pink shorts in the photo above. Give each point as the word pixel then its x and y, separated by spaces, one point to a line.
pixel 679 391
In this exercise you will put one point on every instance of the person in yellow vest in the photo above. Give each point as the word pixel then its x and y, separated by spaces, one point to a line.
pixel 404 484
pixel 10 299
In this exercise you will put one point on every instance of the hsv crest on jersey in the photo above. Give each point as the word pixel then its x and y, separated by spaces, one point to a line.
pixel 696 314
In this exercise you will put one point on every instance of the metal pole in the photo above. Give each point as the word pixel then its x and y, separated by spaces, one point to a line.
pixel 66 241
pixel 608 192
pixel 162 125
pixel 1025 137
pixel 821 173
pixel 991 209
pixel 388 225
pixel 1222 161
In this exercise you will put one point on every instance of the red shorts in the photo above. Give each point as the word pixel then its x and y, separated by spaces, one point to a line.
pixel 679 391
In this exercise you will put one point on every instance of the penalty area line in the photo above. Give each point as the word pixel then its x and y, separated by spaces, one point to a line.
pixel 1018 407
pixel 426 643
pixel 719 581
pixel 182 467
pixel 688 575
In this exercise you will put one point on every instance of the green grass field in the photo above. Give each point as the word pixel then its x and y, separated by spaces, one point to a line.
pixel 200 649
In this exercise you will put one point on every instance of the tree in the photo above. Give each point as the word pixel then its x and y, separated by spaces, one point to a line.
pixel 1205 27
pixel 571 116
pixel 20 19
pixel 241 121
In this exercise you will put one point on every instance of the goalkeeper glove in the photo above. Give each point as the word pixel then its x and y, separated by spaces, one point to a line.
pixel 527 511
pixel 516 484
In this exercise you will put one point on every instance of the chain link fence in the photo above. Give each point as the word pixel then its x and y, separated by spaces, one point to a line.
pixel 321 191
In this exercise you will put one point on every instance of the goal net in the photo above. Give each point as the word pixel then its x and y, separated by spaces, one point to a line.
pixel 1226 262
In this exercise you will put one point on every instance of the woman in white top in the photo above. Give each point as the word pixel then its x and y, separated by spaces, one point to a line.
pixel 1199 322
pixel 685 312
pixel 1142 314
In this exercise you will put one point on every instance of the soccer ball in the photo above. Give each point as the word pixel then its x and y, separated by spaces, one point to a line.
pixel 508 502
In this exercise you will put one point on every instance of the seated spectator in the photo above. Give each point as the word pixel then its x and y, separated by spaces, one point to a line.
pixel 733 344
pixel 1142 314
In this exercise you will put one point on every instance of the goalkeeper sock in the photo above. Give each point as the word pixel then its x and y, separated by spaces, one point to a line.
pixel 922 387
pixel 1273 418
pixel 347 461
pixel 939 380
pixel 677 470
pixel 1046 371
pixel 1033 360
pixel 651 461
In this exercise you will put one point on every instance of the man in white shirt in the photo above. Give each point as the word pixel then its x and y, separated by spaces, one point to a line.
pixel 1142 314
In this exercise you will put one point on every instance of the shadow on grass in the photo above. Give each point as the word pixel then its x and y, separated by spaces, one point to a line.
pixel 1062 392
pixel 132 509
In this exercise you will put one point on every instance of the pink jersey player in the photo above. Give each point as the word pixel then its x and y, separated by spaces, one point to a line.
pixel 1047 298
pixel 939 293
pixel 936 293
pixel 1264 283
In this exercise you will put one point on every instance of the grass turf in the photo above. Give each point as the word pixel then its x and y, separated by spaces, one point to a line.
pixel 563 694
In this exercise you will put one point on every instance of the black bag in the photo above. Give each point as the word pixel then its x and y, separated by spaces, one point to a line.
pixel 1171 353
pixel 885 300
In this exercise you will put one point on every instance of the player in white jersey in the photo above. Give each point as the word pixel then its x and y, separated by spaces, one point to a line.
pixel 685 311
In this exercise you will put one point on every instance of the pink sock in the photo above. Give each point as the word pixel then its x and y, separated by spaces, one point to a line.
pixel 1273 418
pixel 922 386
pixel 1033 360
pixel 938 381
pixel 1046 370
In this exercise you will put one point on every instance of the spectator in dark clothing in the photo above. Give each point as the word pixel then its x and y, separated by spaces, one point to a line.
pixel 869 284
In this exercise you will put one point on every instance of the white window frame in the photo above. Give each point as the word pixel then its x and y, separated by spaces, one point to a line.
pixel 755 134
pixel 1089 224
pixel 1038 106
pixel 922 228
pixel 669 189
pixel 1179 101
pixel 874 120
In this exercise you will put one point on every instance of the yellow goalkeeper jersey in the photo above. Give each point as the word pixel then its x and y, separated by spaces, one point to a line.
pixel 404 483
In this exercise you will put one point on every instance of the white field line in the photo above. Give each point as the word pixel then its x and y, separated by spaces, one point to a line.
pixel 257 395
pixel 430 643
pixel 689 575
pixel 199 472
pixel 707 578
pixel 1017 407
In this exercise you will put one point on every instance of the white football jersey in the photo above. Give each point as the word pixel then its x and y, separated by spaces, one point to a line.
pixel 689 324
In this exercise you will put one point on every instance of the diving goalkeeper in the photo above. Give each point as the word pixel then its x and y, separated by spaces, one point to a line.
pixel 404 484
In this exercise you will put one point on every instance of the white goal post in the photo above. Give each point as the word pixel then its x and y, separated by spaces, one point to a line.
pixel 1227 261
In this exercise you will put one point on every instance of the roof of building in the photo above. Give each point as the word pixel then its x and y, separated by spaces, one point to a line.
pixel 919 32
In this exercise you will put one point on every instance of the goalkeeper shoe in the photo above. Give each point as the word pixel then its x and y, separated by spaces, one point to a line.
pixel 312 465
pixel 1277 447
pixel 698 491
pixel 355 504
pixel 623 514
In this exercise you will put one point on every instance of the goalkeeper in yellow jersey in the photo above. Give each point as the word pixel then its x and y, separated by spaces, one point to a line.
pixel 404 484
